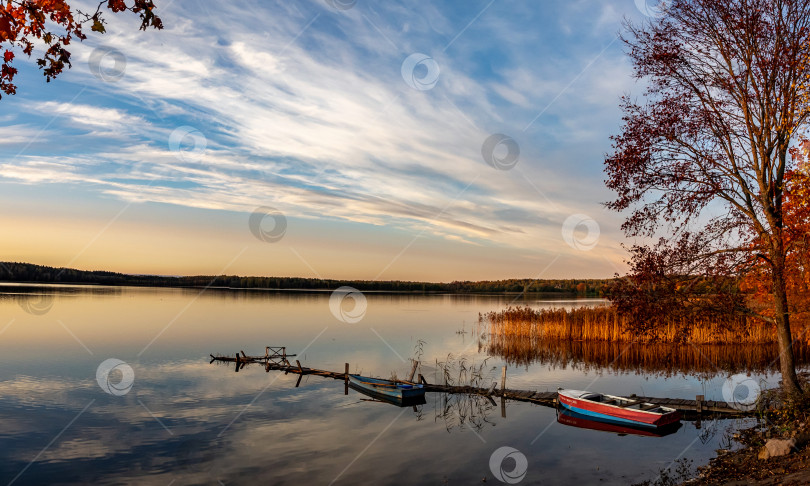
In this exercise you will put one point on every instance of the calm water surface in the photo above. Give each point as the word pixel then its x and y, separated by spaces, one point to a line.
pixel 185 421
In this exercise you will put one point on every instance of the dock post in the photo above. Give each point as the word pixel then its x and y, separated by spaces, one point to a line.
pixel 699 403
pixel 346 380
pixel 503 392
pixel 237 363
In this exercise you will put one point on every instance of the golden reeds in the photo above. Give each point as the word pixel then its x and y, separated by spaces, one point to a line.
pixel 599 338
pixel 605 324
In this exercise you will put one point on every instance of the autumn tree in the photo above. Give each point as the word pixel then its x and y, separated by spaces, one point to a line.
pixel 756 283
pixel 701 161
pixel 27 25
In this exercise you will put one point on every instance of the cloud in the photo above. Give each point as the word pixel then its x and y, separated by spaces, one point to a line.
pixel 304 108
pixel 19 134
pixel 88 115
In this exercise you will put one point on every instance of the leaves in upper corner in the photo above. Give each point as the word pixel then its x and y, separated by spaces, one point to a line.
pixel 55 24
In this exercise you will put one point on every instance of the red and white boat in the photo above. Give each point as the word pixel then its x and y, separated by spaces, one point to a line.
pixel 618 409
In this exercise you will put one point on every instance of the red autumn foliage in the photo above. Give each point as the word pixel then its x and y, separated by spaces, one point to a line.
pixel 757 282
pixel 54 23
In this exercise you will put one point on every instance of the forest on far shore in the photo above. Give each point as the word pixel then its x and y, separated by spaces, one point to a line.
pixel 30 273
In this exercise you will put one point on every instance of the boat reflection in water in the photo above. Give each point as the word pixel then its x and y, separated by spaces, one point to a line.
pixel 567 417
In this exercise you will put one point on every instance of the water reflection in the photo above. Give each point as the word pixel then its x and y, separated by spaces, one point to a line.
pixel 187 422
pixel 459 411
pixel 574 419
pixel 652 359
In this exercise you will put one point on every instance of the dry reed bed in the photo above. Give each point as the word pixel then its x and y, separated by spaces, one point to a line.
pixel 605 324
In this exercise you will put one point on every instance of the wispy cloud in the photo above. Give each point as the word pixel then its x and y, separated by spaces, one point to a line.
pixel 304 108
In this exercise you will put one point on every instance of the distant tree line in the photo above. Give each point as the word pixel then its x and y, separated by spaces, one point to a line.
pixel 30 273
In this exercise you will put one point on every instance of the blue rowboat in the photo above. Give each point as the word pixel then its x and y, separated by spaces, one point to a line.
pixel 392 390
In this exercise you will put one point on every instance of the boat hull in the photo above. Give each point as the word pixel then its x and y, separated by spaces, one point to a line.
pixel 386 388
pixel 588 406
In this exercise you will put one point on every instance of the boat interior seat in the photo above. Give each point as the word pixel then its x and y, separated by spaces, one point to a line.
pixel 594 398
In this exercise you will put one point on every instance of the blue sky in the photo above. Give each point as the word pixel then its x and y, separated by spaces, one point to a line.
pixel 151 153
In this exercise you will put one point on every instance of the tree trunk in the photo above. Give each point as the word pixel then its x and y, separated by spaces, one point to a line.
pixel 790 382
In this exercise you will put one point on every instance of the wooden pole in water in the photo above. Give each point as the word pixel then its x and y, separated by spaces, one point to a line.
pixel 346 380
pixel 503 392
pixel 699 403
pixel 237 362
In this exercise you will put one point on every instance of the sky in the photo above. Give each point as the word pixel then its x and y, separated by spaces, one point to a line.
pixel 438 141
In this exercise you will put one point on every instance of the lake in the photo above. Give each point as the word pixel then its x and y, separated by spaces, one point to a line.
pixel 176 419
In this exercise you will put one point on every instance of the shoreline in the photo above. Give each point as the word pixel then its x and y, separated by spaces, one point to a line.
pixel 29 273
pixel 775 451
pixel 568 295
pixel 745 466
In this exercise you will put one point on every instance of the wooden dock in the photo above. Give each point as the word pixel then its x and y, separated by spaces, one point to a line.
pixel 277 359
